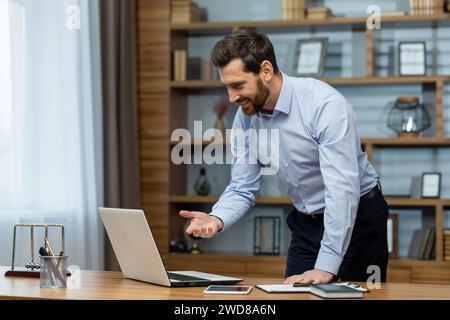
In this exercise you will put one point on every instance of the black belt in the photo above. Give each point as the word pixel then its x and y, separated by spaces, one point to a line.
pixel 372 193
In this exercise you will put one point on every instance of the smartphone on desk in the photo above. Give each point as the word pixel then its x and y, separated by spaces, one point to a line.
pixel 228 289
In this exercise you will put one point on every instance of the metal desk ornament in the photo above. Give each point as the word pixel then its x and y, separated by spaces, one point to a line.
pixel 31 268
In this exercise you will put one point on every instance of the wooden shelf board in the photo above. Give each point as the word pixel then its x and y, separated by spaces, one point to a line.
pixel 236 256
pixel 249 257
pixel 409 202
pixel 395 141
pixel 214 199
pixel 215 84
pixel 388 141
pixel 406 202
pixel 329 23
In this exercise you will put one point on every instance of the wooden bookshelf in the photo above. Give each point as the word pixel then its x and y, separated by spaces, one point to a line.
pixel 163 107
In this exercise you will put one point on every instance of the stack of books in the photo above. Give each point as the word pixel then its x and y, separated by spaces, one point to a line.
pixel 192 68
pixel 318 13
pixel 293 9
pixel 423 7
pixel 447 244
pixel 185 11
pixel 179 65
pixel 208 70
pixel 422 244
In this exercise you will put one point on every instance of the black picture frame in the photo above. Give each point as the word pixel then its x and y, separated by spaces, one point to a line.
pixel 433 194
pixel 304 50
pixel 422 64
pixel 267 236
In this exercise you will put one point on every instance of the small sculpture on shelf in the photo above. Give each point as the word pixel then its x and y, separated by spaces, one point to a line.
pixel 195 248
pixel 408 117
pixel 221 108
pixel 202 186
pixel 192 242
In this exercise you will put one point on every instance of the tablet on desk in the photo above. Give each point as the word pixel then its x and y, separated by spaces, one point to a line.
pixel 228 289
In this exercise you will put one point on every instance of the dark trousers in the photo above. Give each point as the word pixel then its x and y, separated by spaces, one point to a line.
pixel 368 244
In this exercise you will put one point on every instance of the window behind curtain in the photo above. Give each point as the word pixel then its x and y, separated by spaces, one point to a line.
pixel 12 99
pixel 49 126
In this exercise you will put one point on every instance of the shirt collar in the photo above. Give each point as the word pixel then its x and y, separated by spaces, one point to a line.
pixel 284 100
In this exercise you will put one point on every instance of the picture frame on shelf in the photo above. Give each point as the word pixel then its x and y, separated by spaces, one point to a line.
pixel 431 185
pixel 392 235
pixel 412 58
pixel 267 236
pixel 309 57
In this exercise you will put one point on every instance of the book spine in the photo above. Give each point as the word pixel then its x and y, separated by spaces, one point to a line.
pixel 424 243
pixel 283 9
pixel 176 65
pixel 207 69
pixel 183 65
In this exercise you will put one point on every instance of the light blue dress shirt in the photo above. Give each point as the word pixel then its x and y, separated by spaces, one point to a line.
pixel 321 163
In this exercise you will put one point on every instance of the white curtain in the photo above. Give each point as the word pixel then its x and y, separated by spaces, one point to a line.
pixel 50 127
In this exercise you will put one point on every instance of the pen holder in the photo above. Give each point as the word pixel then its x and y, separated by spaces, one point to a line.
pixel 53 271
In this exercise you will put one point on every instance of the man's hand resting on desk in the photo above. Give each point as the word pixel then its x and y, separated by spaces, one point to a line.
pixel 202 225
pixel 315 276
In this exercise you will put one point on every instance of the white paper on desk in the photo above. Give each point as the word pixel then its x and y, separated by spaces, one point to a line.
pixel 281 288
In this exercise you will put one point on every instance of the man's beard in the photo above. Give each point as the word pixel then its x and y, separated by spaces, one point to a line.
pixel 257 104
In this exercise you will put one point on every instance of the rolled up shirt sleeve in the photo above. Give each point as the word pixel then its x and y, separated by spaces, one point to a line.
pixel 335 133
pixel 239 196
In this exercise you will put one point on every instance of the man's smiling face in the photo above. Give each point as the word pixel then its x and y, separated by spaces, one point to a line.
pixel 244 88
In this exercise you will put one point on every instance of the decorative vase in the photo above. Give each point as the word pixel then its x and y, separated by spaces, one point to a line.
pixel 220 125
pixel 202 186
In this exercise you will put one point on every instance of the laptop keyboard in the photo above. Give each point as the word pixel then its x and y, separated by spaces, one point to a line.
pixel 182 277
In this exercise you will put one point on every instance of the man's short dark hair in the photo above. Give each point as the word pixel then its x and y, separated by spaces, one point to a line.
pixel 248 45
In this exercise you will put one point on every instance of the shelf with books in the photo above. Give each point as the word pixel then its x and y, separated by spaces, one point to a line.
pixel 333 23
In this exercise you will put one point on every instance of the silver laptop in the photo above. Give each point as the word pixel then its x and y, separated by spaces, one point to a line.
pixel 138 256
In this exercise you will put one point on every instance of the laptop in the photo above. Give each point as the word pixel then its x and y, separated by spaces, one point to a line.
pixel 138 256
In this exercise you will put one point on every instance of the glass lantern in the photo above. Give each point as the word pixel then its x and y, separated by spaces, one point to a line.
pixel 408 117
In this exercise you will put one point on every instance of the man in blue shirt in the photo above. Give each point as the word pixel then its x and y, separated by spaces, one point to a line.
pixel 339 222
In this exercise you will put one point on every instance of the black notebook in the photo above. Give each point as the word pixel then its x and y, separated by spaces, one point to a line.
pixel 335 291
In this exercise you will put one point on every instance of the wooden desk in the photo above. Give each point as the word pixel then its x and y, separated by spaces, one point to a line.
pixel 111 285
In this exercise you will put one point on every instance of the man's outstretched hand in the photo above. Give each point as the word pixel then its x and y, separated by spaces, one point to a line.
pixel 202 224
